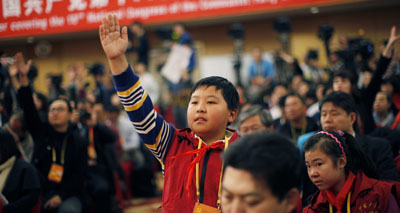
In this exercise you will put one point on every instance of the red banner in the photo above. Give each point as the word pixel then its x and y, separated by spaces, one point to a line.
pixel 36 17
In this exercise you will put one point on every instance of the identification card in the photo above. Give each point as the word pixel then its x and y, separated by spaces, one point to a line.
pixel 203 208
pixel 56 173
pixel 92 152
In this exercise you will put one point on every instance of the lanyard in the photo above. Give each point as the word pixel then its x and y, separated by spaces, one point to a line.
pixel 294 133
pixel 91 140
pixel 348 204
pixel 62 151
pixel 220 177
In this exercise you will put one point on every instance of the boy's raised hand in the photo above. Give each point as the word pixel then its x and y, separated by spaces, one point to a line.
pixel 113 41
pixel 23 68
pixel 387 52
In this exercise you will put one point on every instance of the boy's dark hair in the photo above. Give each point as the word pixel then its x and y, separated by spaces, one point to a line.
pixel 62 99
pixel 270 158
pixel 293 94
pixel 8 147
pixel 229 91
pixel 346 75
pixel 356 158
pixel 342 100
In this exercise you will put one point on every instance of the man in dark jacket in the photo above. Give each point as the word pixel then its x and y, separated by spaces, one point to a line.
pixel 102 162
pixel 60 152
pixel 297 123
pixel 338 112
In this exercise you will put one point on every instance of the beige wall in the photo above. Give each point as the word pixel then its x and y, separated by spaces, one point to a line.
pixel 213 40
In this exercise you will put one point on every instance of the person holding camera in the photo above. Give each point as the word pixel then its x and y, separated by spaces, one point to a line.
pixel 344 81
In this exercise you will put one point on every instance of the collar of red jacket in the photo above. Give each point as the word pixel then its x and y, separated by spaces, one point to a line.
pixel 200 153
pixel 361 183
pixel 188 135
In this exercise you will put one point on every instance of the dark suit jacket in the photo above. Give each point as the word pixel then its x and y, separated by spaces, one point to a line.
pixel 22 187
pixel 380 151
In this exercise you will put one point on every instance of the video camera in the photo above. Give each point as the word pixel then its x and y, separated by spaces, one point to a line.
pixel 362 46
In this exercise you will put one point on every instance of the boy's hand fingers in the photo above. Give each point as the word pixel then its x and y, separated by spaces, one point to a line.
pixel 105 27
pixel 116 23
pixel 111 23
pixel 101 32
pixel 124 33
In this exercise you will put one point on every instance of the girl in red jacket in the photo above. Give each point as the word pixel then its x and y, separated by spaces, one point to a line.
pixel 345 176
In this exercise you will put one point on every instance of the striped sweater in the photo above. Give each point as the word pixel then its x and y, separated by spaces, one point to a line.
pixel 154 131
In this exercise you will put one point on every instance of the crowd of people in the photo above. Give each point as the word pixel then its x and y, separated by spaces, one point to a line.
pixel 326 141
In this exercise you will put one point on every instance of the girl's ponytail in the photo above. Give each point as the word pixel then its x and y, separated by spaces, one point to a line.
pixel 357 159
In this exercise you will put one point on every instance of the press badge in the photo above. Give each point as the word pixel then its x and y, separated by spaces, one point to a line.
pixel 92 152
pixel 56 173
pixel 202 208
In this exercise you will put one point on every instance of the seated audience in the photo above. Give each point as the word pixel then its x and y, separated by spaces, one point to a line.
pixel 382 114
pixel 18 129
pixel 19 181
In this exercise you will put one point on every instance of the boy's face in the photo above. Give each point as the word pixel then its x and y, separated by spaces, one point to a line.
pixel 342 85
pixel 242 193
pixel 208 113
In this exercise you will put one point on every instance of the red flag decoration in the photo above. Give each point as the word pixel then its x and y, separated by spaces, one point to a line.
pixel 36 17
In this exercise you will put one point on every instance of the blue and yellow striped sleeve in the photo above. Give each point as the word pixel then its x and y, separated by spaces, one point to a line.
pixel 154 131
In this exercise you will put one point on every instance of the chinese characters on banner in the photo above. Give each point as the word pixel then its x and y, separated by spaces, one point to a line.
pixel 34 17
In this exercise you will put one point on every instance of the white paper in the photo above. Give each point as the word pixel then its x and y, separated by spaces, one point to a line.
pixel 177 62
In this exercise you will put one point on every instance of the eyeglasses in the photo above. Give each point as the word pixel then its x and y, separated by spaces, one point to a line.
pixel 57 109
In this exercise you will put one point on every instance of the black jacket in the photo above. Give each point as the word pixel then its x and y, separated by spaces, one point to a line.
pixel 22 188
pixel 45 138
pixel 365 98
pixel 107 164
pixel 286 129
pixel 380 151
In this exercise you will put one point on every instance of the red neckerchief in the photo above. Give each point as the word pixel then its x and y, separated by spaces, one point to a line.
pixel 338 200
pixel 200 153
pixel 396 122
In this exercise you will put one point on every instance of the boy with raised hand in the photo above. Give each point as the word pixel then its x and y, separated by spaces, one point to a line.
pixel 190 157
